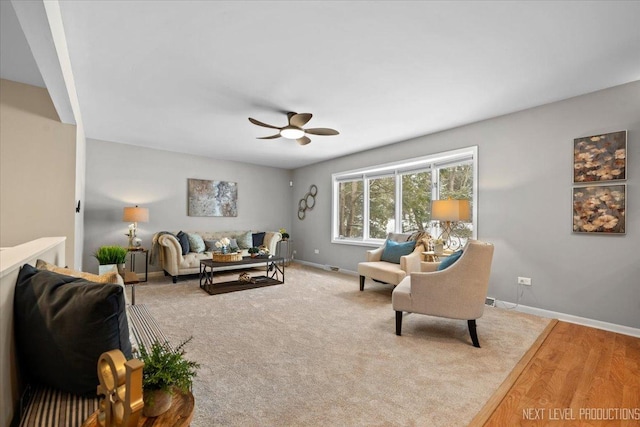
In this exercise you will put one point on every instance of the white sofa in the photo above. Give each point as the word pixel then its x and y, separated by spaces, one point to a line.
pixel 169 252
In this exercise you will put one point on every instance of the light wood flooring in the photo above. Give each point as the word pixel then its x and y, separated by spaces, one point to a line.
pixel 572 376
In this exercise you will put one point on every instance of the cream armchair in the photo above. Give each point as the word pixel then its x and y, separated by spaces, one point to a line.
pixel 457 292
pixel 388 272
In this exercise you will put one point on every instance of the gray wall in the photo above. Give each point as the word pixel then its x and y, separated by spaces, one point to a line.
pixel 524 205
pixel 120 175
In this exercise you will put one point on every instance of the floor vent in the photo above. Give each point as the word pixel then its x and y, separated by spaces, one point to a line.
pixel 331 268
pixel 491 302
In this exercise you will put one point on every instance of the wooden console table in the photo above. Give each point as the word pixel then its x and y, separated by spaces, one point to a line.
pixel 178 415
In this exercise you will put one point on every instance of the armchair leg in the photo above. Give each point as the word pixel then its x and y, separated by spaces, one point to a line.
pixel 472 332
pixel 361 283
pixel 398 323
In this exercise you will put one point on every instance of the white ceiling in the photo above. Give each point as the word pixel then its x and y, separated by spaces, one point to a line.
pixel 185 75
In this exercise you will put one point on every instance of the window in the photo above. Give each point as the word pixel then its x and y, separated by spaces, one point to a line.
pixel 369 203
pixel 351 202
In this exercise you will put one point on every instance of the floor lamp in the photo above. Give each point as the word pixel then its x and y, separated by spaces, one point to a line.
pixel 449 212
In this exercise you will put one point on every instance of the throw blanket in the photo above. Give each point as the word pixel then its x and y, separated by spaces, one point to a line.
pixel 155 247
pixel 422 237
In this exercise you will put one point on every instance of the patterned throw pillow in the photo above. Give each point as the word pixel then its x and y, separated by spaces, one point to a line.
pixel 196 244
pixel 111 277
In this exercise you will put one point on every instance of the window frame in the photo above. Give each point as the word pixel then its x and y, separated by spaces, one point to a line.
pixel 397 169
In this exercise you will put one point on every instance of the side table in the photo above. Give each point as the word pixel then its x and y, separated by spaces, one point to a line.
pixel 283 249
pixel 132 261
pixel 431 256
pixel 131 278
pixel 178 415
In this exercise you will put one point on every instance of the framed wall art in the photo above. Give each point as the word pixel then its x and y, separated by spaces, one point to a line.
pixel 599 209
pixel 600 158
pixel 212 198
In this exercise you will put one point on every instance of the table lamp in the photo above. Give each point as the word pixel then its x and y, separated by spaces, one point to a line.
pixel 449 212
pixel 135 215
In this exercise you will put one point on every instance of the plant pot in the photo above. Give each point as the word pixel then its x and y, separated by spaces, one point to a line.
pixel 107 268
pixel 253 255
pixel 156 402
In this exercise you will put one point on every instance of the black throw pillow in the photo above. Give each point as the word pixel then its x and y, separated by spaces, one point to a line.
pixel 62 326
pixel 183 238
pixel 258 239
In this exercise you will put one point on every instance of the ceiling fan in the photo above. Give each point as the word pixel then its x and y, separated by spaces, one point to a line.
pixel 294 129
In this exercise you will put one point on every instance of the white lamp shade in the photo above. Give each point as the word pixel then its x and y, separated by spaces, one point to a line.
pixel 135 214
pixel 450 210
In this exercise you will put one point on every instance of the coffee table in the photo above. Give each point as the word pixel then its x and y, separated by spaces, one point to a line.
pixel 274 274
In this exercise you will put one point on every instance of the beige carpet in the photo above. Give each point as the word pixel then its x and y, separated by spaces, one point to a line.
pixel 316 351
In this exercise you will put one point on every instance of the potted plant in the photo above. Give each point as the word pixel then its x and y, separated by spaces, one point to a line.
pixel 285 235
pixel 165 371
pixel 253 252
pixel 111 258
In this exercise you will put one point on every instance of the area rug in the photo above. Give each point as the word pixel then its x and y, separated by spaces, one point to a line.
pixel 316 351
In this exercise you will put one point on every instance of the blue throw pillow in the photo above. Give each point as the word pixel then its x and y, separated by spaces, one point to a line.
pixel 184 242
pixel 393 250
pixel 448 261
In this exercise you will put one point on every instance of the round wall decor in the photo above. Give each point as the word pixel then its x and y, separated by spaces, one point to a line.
pixel 307 202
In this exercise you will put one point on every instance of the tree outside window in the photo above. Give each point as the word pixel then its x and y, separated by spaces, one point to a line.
pixel 382 206
pixel 351 205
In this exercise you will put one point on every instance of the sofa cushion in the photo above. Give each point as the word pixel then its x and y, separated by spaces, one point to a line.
pixel 184 242
pixel 62 326
pixel 196 243
pixel 258 239
pixel 448 261
pixel 393 250
pixel 245 240
pixel 384 271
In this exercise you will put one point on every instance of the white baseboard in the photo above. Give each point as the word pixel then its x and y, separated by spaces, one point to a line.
pixel 598 324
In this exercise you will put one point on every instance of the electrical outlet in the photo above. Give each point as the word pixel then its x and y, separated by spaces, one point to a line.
pixel 525 281
pixel 317 251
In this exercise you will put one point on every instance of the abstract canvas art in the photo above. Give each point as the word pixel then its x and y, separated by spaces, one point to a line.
pixel 599 209
pixel 600 158
pixel 212 198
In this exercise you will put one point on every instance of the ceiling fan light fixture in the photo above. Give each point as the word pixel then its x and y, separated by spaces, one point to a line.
pixel 291 132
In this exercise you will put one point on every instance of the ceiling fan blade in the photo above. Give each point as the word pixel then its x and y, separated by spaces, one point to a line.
pixel 322 131
pixel 303 141
pixel 277 135
pixel 256 122
pixel 299 120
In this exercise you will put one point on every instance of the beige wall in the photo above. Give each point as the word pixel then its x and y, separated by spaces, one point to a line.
pixel 37 168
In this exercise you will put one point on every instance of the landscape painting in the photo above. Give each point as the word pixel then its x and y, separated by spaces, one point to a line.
pixel 599 209
pixel 212 198
pixel 600 157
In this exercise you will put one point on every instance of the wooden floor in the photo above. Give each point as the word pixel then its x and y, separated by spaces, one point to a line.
pixel 573 376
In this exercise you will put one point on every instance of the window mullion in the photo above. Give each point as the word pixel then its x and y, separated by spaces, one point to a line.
pixel 365 214
pixel 398 211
